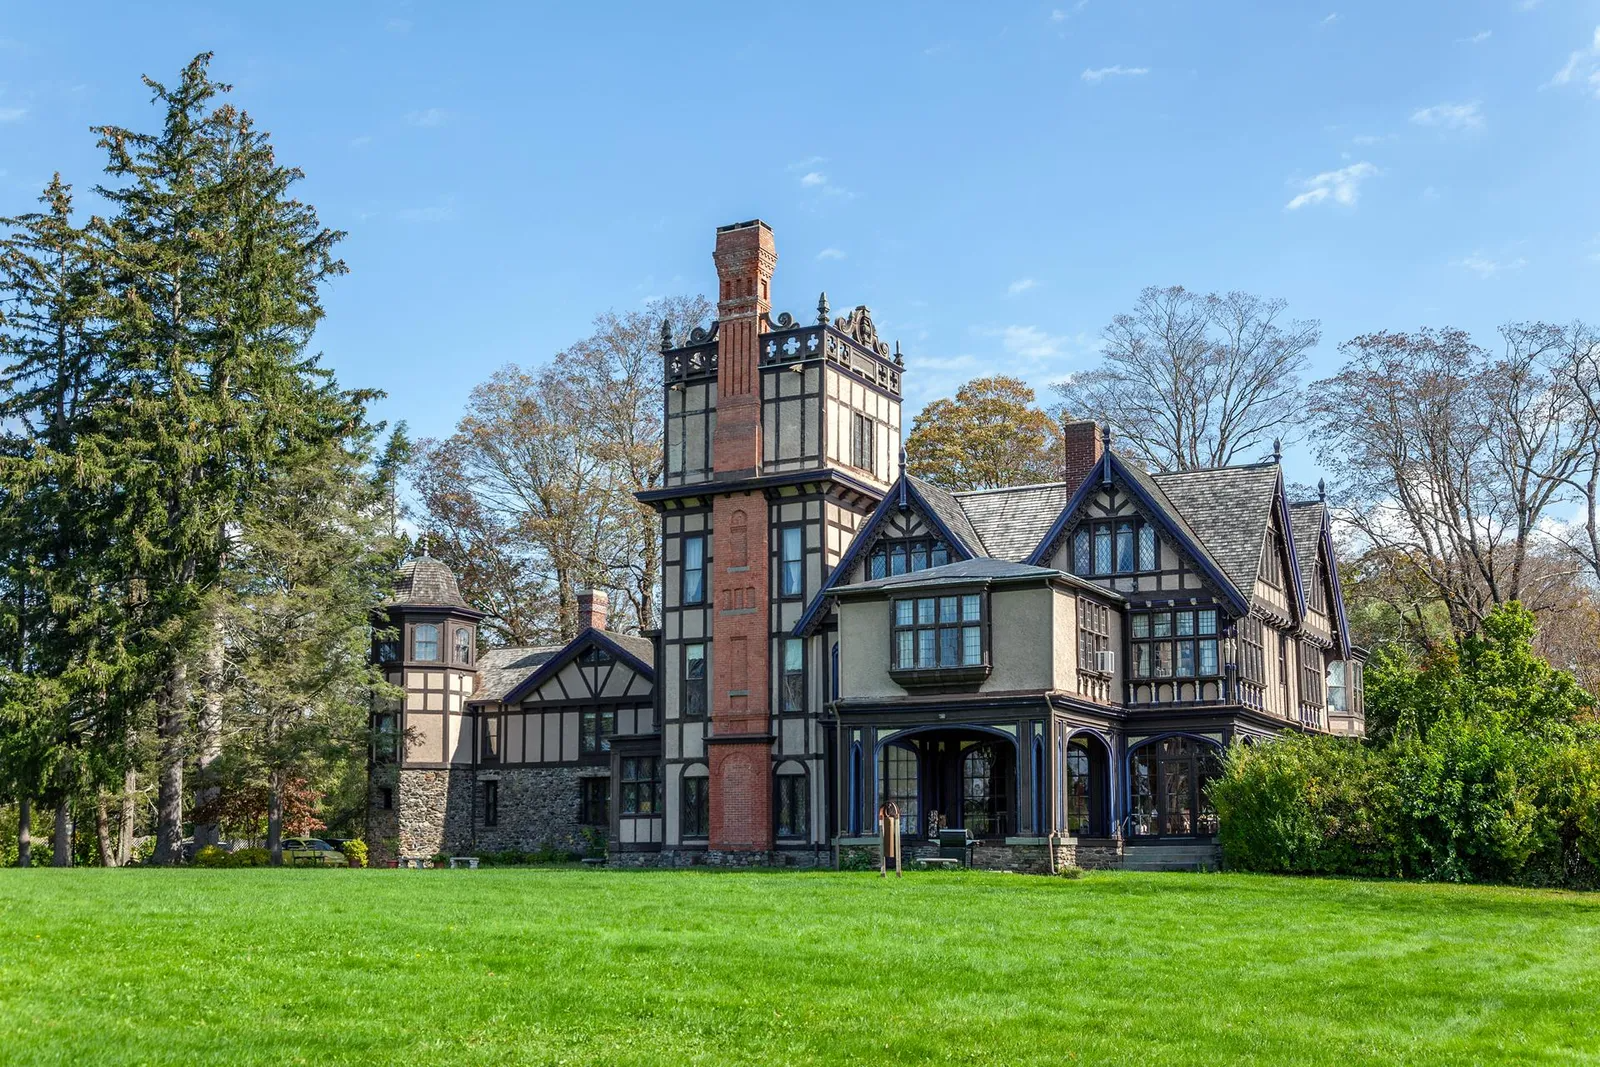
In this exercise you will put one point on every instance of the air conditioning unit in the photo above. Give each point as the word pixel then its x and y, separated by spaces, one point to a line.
pixel 1105 662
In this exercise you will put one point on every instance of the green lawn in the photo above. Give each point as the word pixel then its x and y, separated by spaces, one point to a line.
pixel 567 966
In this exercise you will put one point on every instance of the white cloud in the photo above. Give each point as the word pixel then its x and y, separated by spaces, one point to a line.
pixel 818 181
pixel 1060 15
pixel 1329 21
pixel 1342 186
pixel 1031 342
pixel 1430 193
pixel 807 163
pixel 1100 74
pixel 815 177
pixel 1021 285
pixel 433 116
pixel 362 141
pixel 12 114
pixel 1477 38
pixel 398 25
pixel 1450 116
pixel 1584 64
pixel 1528 5
pixel 1485 267
pixel 443 210
pixel 830 253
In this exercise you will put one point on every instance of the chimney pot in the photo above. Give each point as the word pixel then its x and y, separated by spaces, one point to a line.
pixel 594 607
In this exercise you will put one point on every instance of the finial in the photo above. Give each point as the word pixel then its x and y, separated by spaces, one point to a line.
pixel 1105 456
pixel 899 360
pixel 424 541
pixel 1277 450
pixel 1322 490
pixel 903 501
pixel 822 309
pixel 666 333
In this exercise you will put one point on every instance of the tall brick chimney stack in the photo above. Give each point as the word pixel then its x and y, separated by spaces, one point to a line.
pixel 594 608
pixel 745 257
pixel 1083 450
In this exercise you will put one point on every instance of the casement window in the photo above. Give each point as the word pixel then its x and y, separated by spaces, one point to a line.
pixel 595 729
pixel 1272 560
pixel 491 803
pixel 863 443
pixel 1338 688
pixel 1316 599
pixel 938 631
pixel 491 739
pixel 594 801
pixel 695 812
pixel 905 557
pixel 791 806
pixel 792 692
pixel 902 781
pixel 791 562
pixel 694 569
pixel 425 642
pixel 387 650
pixel 1310 674
pixel 1094 637
pixel 1169 786
pixel 1077 787
pixel 694 681
pixel 1121 546
pixel 463 647
pixel 641 785
pixel 1174 644
pixel 984 791
pixel 1252 651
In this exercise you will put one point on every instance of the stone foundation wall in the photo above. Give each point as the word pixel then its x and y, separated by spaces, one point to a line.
pixel 433 811
pixel 793 859
pixel 1025 856
pixel 538 806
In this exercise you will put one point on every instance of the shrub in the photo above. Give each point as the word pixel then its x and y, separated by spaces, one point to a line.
pixel 249 857
pixel 211 856
pixel 355 852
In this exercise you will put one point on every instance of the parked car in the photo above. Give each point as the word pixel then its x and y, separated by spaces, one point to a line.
pixel 338 843
pixel 311 852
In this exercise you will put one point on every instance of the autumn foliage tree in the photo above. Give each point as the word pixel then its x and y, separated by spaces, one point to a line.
pixel 991 433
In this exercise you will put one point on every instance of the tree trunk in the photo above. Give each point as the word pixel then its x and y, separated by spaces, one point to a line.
pixel 210 735
pixel 61 855
pixel 172 720
pixel 25 832
pixel 275 818
pixel 130 787
pixel 102 830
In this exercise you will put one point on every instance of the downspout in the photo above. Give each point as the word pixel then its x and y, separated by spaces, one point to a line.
pixel 1050 808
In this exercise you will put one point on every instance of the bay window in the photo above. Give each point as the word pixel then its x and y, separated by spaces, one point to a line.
pixel 1174 644
pixel 938 632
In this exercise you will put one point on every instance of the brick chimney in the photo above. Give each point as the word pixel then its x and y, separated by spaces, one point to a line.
pixel 745 256
pixel 1083 450
pixel 594 607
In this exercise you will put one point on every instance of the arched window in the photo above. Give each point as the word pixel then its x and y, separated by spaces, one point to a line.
pixel 425 642
pixel 1169 784
pixel 983 790
pixel 1077 787
pixel 463 651
pixel 901 785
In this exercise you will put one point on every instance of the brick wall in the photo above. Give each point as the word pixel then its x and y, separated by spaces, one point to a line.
pixel 1083 448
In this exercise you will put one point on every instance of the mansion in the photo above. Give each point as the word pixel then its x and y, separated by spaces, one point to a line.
pixel 1053 668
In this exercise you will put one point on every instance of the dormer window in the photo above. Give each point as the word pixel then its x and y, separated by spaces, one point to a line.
pixel 906 557
pixel 1272 561
pixel 425 642
pixel 1315 596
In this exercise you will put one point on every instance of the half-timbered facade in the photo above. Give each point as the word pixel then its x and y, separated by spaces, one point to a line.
pixel 1053 668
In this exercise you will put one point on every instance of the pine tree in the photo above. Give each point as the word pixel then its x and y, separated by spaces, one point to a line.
pixel 215 273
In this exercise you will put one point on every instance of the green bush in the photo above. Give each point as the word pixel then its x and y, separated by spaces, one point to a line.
pixel 355 852
pixel 250 857
pixel 211 856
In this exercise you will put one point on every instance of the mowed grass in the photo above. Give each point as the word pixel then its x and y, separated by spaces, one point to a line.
pixel 612 967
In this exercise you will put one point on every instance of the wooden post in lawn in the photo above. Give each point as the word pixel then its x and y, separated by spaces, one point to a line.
pixel 889 831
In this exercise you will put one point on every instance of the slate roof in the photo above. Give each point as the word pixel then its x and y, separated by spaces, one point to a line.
pixel 500 670
pixel 949 511
pixel 427 582
pixel 641 648
pixel 1011 522
pixel 1229 508
pixel 1305 521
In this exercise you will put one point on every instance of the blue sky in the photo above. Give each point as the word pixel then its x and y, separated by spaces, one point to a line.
pixel 995 180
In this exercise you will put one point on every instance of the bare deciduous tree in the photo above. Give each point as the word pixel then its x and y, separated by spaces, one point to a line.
pixel 1194 381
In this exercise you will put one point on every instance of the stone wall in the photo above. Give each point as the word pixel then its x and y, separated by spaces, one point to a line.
pixel 538 806
pixel 433 811
pixel 383 823
pixel 1023 855
pixel 793 859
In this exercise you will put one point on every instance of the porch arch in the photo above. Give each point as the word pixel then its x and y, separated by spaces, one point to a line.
pixel 1167 778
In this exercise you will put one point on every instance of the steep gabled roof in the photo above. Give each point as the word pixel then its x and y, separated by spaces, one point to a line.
pixel 946 511
pixel 625 647
pixel 1313 532
pixel 501 670
pixel 1011 521
pixel 1229 508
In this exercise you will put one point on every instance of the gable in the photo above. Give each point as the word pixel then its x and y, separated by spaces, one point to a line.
pixel 1278 588
pixel 593 667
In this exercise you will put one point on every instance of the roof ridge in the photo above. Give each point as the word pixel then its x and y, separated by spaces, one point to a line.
pixel 960 494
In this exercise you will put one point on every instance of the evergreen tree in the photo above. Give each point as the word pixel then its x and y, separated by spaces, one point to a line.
pixel 215 274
